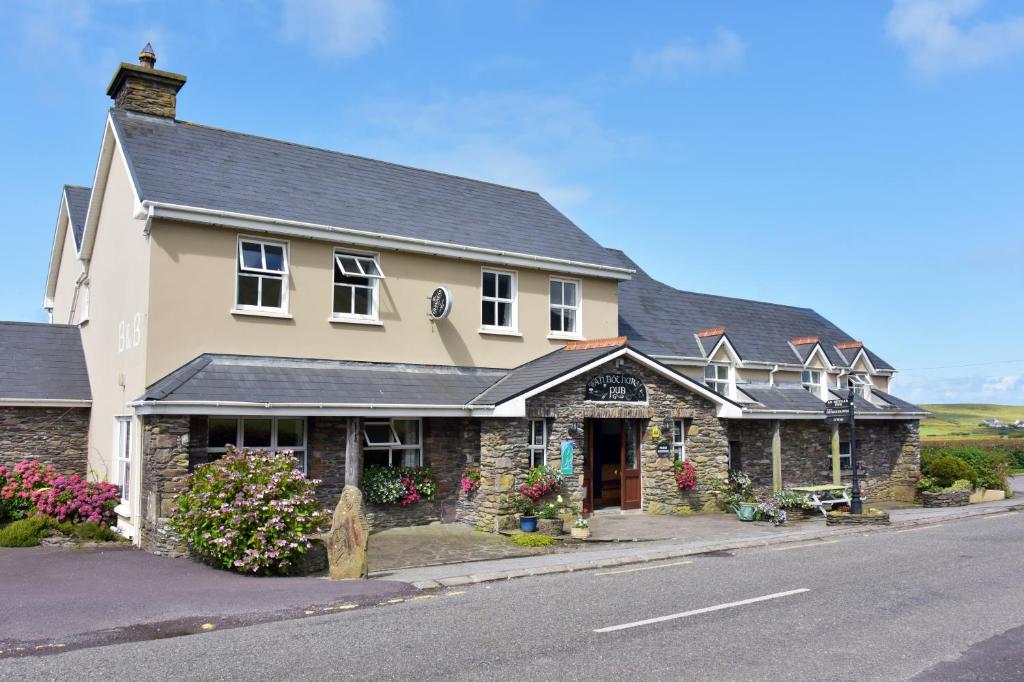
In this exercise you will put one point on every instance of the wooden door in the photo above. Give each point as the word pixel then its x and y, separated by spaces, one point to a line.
pixel 630 464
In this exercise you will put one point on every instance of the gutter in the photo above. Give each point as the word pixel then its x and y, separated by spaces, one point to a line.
pixel 155 209
pixel 43 402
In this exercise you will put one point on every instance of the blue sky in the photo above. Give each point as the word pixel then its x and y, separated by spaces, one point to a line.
pixel 861 158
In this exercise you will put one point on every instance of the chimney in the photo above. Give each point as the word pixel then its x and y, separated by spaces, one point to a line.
pixel 144 88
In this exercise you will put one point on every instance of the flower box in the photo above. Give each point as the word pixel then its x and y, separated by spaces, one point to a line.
pixel 550 526
pixel 952 498
pixel 847 519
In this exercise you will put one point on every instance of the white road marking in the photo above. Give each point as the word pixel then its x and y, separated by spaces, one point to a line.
pixel 999 515
pixel 806 544
pixel 644 568
pixel 911 530
pixel 707 609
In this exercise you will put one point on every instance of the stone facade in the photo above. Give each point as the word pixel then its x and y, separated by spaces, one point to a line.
pixel 148 91
pixel 165 463
pixel 504 449
pixel 53 435
pixel 889 454
pixel 953 498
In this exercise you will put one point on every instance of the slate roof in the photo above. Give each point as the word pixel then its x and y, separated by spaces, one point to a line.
pixel 662 321
pixel 255 379
pixel 783 398
pixel 42 362
pixel 192 165
pixel 78 206
pixel 540 371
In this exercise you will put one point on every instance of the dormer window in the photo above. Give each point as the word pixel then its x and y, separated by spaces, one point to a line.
pixel 717 376
pixel 860 383
pixel 811 380
pixel 356 281
pixel 262 276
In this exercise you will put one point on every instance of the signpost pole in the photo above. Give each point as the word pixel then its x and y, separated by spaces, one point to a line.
pixel 856 506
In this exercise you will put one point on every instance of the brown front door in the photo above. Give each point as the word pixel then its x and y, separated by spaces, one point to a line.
pixel 630 464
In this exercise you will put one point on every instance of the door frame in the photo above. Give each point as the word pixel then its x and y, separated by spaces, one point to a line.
pixel 634 473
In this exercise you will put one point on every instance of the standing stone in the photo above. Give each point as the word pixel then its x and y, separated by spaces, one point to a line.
pixel 346 542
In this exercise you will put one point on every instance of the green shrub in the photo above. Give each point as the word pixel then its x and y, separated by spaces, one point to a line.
pixel 25 532
pixel 532 540
pixel 946 469
pixel 960 485
pixel 404 485
pixel 249 511
pixel 88 531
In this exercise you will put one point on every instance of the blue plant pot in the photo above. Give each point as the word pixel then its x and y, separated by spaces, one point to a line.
pixel 528 524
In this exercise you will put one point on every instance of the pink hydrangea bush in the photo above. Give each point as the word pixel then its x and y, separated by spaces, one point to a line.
pixel 250 511
pixel 470 481
pixel 541 481
pixel 32 488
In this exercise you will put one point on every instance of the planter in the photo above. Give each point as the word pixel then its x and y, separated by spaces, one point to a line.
pixel 550 526
pixel 528 524
pixel 580 533
pixel 987 496
pixel 800 513
pixel 857 519
pixel 954 498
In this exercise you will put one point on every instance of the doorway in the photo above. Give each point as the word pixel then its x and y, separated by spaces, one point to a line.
pixel 613 463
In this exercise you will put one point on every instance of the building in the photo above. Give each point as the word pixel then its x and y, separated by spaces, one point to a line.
pixel 234 289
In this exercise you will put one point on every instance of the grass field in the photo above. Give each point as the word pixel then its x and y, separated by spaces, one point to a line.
pixel 963 422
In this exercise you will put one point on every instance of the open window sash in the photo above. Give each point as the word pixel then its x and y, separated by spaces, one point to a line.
pixel 358 266
pixel 273 263
pixel 374 431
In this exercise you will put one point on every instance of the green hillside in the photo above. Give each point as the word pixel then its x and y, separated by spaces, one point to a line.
pixel 963 421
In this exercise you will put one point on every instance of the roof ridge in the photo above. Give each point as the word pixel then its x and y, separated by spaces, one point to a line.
pixel 39 324
pixel 267 138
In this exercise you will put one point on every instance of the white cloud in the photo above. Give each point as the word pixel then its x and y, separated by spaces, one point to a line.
pixel 1002 389
pixel 938 37
pixel 725 51
pixel 337 28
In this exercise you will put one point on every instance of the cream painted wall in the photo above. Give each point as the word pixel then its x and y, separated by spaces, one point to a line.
pixel 114 338
pixel 67 276
pixel 192 289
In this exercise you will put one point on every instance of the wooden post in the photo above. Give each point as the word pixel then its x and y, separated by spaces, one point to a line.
pixel 837 478
pixel 776 455
pixel 353 451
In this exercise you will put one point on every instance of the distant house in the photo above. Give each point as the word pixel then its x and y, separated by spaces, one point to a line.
pixel 1019 424
pixel 995 423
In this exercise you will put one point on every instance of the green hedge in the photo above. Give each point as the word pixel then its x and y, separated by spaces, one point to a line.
pixel 989 466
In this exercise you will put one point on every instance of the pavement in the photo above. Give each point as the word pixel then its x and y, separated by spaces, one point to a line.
pixel 939 601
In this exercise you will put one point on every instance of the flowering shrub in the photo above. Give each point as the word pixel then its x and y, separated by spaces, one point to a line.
pixel 31 487
pixel 541 481
pixel 686 475
pixel 770 511
pixel 388 485
pixel 521 504
pixel 470 481
pixel 250 511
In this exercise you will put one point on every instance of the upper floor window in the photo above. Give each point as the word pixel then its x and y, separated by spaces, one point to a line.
pixel 356 280
pixel 393 443
pixel 262 275
pixel 716 376
pixel 538 442
pixel 565 307
pixel 860 383
pixel 812 381
pixel 498 300
pixel 258 433
pixel 679 440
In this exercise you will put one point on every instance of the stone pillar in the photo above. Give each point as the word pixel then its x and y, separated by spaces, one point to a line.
pixel 837 477
pixel 776 455
pixel 165 463
pixel 354 451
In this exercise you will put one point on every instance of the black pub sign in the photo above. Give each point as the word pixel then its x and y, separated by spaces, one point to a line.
pixel 617 387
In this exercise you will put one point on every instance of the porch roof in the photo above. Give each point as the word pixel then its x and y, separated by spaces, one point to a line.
pixel 795 399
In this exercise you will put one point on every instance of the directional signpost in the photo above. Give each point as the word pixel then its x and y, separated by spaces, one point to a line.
pixel 837 412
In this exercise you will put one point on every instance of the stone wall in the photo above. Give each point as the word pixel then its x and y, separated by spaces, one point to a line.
pixel 165 463
pixel 52 435
pixel 889 454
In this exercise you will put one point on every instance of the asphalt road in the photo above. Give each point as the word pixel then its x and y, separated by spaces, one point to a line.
pixel 939 602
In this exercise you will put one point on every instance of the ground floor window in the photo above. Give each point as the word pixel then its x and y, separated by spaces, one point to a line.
pixel 538 442
pixel 393 442
pixel 735 455
pixel 123 455
pixel 258 433
pixel 679 440
pixel 845 461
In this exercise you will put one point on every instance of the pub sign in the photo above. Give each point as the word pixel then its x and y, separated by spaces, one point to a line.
pixel 617 387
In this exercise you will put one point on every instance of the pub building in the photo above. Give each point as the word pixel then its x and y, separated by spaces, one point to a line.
pixel 218 288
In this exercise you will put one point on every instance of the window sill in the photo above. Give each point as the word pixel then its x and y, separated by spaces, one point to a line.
pixel 565 337
pixel 500 332
pixel 262 313
pixel 122 509
pixel 355 320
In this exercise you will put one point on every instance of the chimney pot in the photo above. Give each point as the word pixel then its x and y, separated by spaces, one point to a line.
pixel 143 88
pixel 147 58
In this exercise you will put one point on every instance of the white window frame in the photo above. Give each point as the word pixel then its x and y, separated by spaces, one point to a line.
pixel 262 273
pixel 562 307
pixel 122 460
pixel 861 383
pixel 300 451
pixel 809 382
pixel 366 264
pixel 845 458
pixel 395 446
pixel 679 440
pixel 538 452
pixel 713 382
pixel 513 301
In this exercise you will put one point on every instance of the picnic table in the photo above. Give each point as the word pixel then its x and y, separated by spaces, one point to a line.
pixel 824 497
